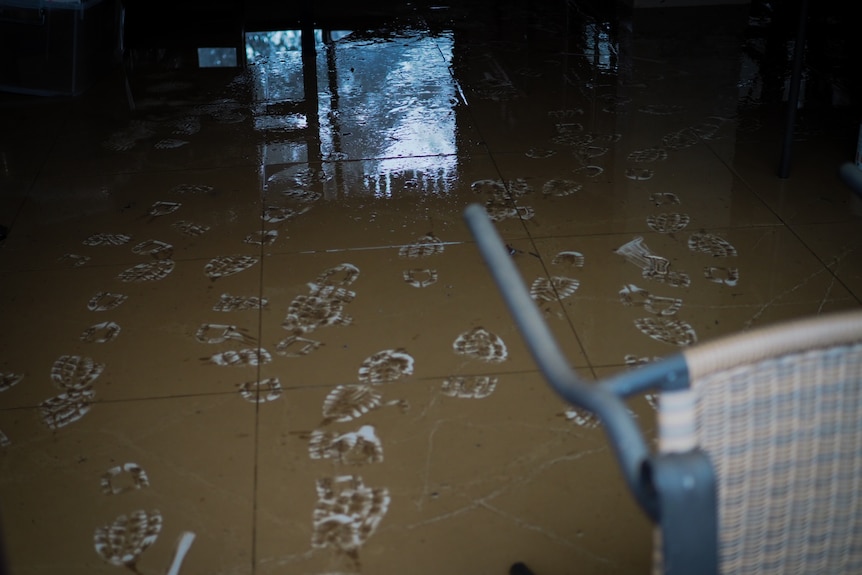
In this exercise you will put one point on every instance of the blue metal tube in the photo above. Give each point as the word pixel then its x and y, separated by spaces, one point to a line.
pixel 625 436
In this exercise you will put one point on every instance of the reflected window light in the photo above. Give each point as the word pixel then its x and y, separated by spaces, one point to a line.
pixel 273 44
pixel 275 58
pixel 408 122
pixel 217 58
pixel 385 107
pixel 599 47
pixel 266 45
pixel 281 122
pixel 336 35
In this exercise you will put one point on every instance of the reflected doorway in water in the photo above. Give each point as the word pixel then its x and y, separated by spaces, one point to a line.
pixel 381 119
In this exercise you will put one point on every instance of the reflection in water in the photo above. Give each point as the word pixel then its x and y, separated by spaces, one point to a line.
pixel 276 60
pixel 384 110
pixel 217 57
pixel 599 47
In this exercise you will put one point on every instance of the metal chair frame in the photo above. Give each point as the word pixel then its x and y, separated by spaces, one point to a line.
pixel 677 485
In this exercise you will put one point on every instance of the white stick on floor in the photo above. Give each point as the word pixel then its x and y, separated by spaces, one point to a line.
pixel 184 543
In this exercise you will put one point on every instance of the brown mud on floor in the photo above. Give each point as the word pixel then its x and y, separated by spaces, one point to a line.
pixel 247 331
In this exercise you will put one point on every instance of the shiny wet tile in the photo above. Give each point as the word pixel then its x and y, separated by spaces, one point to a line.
pixel 383 203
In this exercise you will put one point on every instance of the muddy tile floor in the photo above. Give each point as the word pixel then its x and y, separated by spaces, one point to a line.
pixel 245 329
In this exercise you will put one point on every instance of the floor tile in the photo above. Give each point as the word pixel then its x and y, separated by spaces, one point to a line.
pixel 154 335
pixel 166 466
pixel 351 316
pixel 838 246
pixel 812 192
pixel 677 196
pixel 117 218
pixel 543 489
pixel 624 309
pixel 154 143
pixel 378 204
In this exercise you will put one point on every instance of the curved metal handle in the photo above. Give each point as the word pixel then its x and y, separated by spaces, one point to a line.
pixel 625 436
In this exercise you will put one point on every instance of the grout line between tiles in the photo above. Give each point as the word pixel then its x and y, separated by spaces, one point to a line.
pixel 535 252
pixel 793 231
pixel 256 457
